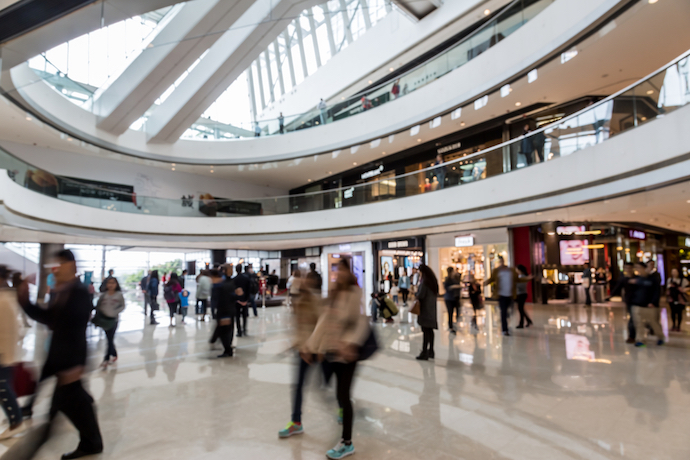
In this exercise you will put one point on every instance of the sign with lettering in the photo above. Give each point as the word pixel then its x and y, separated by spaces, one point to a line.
pixel 398 244
pixel 637 234
pixel 464 241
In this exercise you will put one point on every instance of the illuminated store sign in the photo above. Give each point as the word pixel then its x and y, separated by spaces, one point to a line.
pixel 637 235
pixel 372 173
pixel 398 244
pixel 448 148
pixel 349 192
pixel 464 241
pixel 569 230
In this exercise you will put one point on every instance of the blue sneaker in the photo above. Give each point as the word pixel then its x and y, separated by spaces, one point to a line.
pixel 340 416
pixel 640 344
pixel 342 450
pixel 290 429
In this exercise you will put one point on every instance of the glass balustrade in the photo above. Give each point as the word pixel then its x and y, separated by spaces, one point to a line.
pixel 649 99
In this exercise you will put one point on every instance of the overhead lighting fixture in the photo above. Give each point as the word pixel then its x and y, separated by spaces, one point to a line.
pixel 308 180
pixel 532 76
pixel 330 172
pixel 551 233
pixel 632 211
pixel 419 140
pixel 462 123
pixel 69 139
pixel 518 104
pixel 391 69
pixel 487 12
pixel 652 2
pixel 593 246
pixel 619 248
pixel 370 82
pixel 651 91
pixel 355 163
pixel 173 169
pixel 29 118
pixel 455 114
pixel 505 90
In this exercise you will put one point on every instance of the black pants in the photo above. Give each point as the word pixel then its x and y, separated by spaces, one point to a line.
pixel 428 339
pixel 504 304
pixel 540 152
pixel 201 306
pixel 452 306
pixel 521 299
pixel 77 405
pixel 405 293
pixel 632 333
pixel 153 305
pixel 588 297
pixel 677 314
pixel 225 333
pixel 241 318
pixel 172 306
pixel 345 373
pixel 298 391
pixel 110 351
pixel 252 301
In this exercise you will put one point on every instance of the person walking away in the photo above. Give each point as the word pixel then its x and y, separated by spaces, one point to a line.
pixel 505 280
pixel 144 285
pixel 395 90
pixel 587 284
pixel 644 297
pixel 281 123
pixel 475 292
pixel 104 283
pixel 527 145
pixel 676 290
pixel 153 295
pixel 10 327
pixel 68 315
pixel 521 296
pixel 224 296
pixel 272 283
pixel 404 284
pixel 293 286
pixel 305 315
pixel 621 288
pixel 338 335
pixel 313 278
pixel 451 297
pixel 109 306
pixel 170 293
pixel 203 292
pixel 427 296
pixel 323 114
pixel 253 289
pixel 183 279
pixel 241 281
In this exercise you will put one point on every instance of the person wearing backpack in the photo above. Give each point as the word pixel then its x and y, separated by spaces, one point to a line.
pixel 170 292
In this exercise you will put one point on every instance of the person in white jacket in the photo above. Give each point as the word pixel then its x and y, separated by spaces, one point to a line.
pixel 338 336
pixel 10 327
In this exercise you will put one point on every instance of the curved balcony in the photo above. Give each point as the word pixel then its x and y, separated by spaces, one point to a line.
pixel 584 156
pixel 475 72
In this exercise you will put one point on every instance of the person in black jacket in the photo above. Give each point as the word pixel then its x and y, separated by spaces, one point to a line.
pixel 644 297
pixel 622 289
pixel 241 310
pixel 224 297
pixel 68 315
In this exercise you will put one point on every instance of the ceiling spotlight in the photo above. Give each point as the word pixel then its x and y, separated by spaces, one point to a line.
pixel 173 169
pixel 212 171
pixel 370 82
pixel 29 118
pixel 462 123
pixel 518 104
pixel 174 164
pixel 652 2
pixel 651 91
pixel 632 211
pixel 355 163
pixel 487 12
pixel 419 140
pixel 308 180
pixel 391 69
pixel 69 139
pixel 330 172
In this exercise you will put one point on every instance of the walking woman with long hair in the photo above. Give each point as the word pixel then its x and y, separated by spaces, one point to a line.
pixel 339 334
pixel 171 294
pixel 110 304
pixel 427 296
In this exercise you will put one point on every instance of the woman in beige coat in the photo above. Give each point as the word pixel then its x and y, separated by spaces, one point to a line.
pixel 9 338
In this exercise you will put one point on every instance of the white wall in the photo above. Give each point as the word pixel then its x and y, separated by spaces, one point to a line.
pixel 367 249
pixel 147 180
pixel 556 25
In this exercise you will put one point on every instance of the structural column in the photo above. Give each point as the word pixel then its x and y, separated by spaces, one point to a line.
pixel 314 38
pixel 260 78
pixel 346 21
pixel 269 74
pixel 252 94
pixel 288 51
pixel 300 43
pixel 279 66
pixel 365 13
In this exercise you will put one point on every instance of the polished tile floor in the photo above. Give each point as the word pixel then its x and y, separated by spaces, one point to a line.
pixel 567 388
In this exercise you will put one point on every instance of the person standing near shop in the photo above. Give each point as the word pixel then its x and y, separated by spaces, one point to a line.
pixel 314 279
pixel 440 171
pixel 281 123
pixel 587 284
pixel 427 295
pixel 68 315
pixel 323 114
pixel 203 292
pixel 521 296
pixel 645 297
pixel 451 296
pixel 404 285
pixel 676 290
pixel 241 308
pixel 505 280
pixel 144 285
pixel 253 289
pixel 475 293
pixel 152 291
pixel 527 145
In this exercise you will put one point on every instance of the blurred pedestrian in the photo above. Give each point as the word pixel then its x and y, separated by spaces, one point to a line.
pixel 153 295
pixel 505 280
pixel 645 295
pixel 243 282
pixel 224 297
pixel 170 292
pixel 676 290
pixel 451 296
pixel 203 292
pixel 521 296
pixel 427 296
pixel 108 308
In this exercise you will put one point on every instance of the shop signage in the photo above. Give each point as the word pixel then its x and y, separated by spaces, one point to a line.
pixel 349 192
pixel 464 241
pixel 372 173
pixel 684 241
pixel 345 247
pixel 569 230
pixel 637 235
pixel 398 244
pixel 449 148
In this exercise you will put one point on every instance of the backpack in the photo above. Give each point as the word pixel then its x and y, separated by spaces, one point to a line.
pixel 168 294
pixel 253 285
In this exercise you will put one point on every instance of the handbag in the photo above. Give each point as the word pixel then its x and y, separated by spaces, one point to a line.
pixel 104 322
pixel 24 380
pixel 369 347
pixel 416 308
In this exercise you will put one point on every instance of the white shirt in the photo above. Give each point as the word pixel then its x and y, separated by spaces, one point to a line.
pixel 322 105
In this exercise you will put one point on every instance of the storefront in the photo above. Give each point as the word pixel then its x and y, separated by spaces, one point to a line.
pixel 361 259
pixel 471 252
pixel 258 259
pixel 392 258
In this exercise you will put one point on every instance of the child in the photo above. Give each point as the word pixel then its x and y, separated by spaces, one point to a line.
pixel 184 303
pixel 394 292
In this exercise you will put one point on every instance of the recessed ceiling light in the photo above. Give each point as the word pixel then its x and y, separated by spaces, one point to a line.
pixel 212 171
pixel 487 12
pixel 355 163
pixel 29 118
pixel 518 104
pixel 370 82
pixel 69 139
pixel 330 172
pixel 651 91
pixel 308 180
pixel 174 164
pixel 391 69
pixel 652 2
pixel 173 169
pixel 632 211
pixel 419 140
pixel 462 123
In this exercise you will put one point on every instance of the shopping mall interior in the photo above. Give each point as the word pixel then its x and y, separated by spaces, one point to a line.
pixel 300 203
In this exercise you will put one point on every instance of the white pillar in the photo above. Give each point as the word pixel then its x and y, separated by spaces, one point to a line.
pixel 260 78
pixel 314 38
pixel 288 51
pixel 346 21
pixel 365 12
pixel 252 93
pixel 276 50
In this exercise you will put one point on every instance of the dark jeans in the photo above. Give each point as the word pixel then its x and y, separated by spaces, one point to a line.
pixel 677 314
pixel 152 304
pixel 77 405
pixel 225 333
pixel 405 293
pixel 110 351
pixel 241 318
pixel 302 370
pixel 588 297
pixel 521 299
pixel 632 332
pixel 252 301
pixel 428 339
pixel 8 397
pixel 172 306
pixel 504 303
pixel 345 373
pixel 201 306
pixel 452 306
